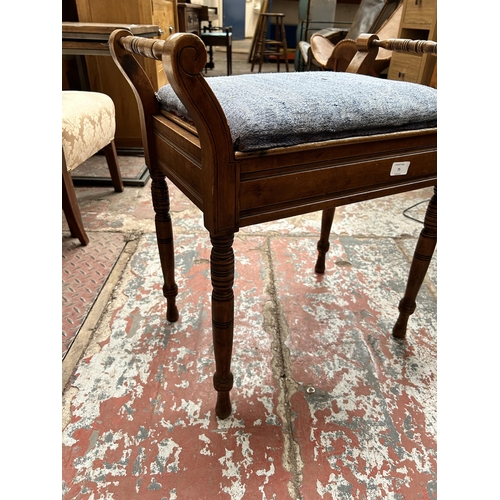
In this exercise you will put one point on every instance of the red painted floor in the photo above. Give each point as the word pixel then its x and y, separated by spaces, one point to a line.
pixel 85 269
pixel 326 404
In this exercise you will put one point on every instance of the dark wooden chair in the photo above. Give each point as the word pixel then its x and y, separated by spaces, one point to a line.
pixel 337 56
pixel 243 157
pixel 369 18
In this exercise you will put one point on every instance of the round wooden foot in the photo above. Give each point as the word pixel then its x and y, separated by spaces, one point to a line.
pixel 172 313
pixel 223 406
pixel 320 265
pixel 406 309
pixel 399 330
pixel 170 293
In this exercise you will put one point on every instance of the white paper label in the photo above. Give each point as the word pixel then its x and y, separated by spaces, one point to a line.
pixel 400 168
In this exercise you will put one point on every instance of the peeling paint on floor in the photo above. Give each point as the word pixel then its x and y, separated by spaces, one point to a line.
pixel 326 404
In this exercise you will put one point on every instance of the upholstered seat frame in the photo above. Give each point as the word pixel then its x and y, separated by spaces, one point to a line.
pixel 234 189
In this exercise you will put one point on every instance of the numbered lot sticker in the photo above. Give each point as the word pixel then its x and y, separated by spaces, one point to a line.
pixel 400 168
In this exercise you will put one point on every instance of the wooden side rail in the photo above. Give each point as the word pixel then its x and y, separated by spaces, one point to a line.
pixel 366 41
pixel 153 49
pixel 403 45
pixel 145 47
pixel 367 47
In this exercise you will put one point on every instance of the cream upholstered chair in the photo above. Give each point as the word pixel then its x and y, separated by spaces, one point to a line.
pixel 88 125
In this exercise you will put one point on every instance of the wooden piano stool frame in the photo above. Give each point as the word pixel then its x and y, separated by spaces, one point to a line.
pixel 236 189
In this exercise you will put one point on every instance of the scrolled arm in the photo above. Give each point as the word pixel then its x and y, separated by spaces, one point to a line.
pixel 186 52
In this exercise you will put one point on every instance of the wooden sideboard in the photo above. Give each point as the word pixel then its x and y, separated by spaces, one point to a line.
pixel 102 72
pixel 418 22
pixel 190 16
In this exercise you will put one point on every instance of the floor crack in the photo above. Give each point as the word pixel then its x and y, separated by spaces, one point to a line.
pixel 276 326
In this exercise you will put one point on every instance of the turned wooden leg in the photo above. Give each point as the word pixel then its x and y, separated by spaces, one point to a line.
pixel 70 206
pixel 164 236
pixel 114 169
pixel 324 243
pixel 222 275
pixel 420 263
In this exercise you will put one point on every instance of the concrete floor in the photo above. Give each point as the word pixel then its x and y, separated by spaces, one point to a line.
pixel 326 404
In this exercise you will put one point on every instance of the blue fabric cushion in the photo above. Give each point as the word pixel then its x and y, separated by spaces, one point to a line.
pixel 266 110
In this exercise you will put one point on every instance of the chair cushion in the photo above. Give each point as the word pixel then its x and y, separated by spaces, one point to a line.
pixel 266 110
pixel 88 124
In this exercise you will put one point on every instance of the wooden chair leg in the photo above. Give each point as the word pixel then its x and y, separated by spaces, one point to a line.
pixel 70 206
pixel 222 276
pixel 263 44
pixel 324 243
pixel 165 239
pixel 229 59
pixel 258 43
pixel 285 48
pixel 114 169
pixel 420 263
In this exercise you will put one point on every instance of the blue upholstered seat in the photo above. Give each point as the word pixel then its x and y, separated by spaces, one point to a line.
pixel 266 110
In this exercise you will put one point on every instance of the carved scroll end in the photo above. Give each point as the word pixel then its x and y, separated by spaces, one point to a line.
pixel 188 52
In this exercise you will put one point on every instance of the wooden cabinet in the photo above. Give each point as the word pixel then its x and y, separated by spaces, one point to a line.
pixel 190 16
pixel 418 23
pixel 103 74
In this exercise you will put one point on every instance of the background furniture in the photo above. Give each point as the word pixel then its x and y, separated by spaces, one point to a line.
pixel 314 15
pixel 243 157
pixel 270 47
pixel 216 36
pixel 91 39
pixel 370 16
pixel 102 72
pixel 88 125
pixel 191 16
pixel 337 57
pixel 419 21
